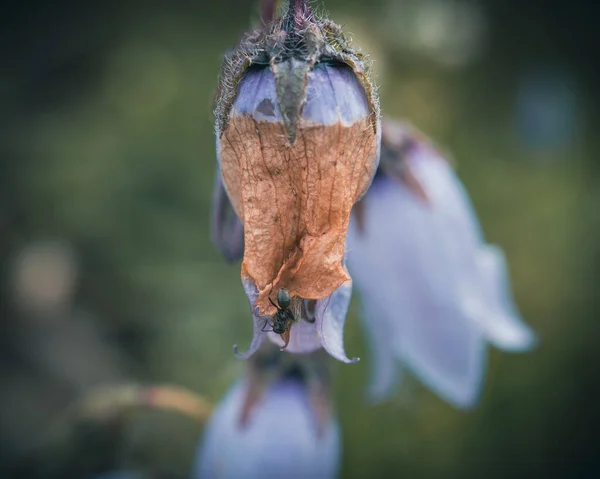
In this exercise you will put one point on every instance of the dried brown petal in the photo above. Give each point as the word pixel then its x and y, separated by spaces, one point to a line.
pixel 298 145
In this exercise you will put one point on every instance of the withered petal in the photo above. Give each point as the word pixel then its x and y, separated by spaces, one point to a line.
pixel 295 200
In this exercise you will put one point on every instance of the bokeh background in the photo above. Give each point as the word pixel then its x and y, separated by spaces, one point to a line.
pixel 109 276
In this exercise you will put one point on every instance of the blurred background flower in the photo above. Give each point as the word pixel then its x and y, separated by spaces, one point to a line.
pixel 275 422
pixel 548 112
pixel 433 293
pixel 107 153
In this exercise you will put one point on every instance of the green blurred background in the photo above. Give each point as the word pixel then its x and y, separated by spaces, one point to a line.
pixel 106 167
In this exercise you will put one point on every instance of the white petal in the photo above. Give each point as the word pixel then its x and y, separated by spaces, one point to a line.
pixel 258 321
pixel 330 316
pixel 481 268
pixel 304 338
pixel 280 439
pixel 407 260
pixel 382 360
pixel 494 308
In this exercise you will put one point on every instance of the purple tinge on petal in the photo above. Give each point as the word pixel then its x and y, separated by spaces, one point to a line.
pixel 494 308
pixel 257 97
pixel 330 319
pixel 227 231
pixel 480 268
pixel 333 94
pixel 443 348
pixel 304 338
pixel 259 321
pixel 450 203
pixel 407 261
pixel 280 439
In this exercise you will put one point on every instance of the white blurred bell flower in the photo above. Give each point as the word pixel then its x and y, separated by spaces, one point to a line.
pixel 433 293
pixel 274 423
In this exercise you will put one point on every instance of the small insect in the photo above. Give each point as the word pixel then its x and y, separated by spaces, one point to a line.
pixel 284 317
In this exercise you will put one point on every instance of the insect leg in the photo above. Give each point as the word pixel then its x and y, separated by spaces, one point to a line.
pixel 289 315
pixel 265 325
pixel 286 338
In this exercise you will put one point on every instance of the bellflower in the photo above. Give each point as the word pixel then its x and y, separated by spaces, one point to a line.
pixel 273 423
pixel 321 322
pixel 298 138
pixel 433 293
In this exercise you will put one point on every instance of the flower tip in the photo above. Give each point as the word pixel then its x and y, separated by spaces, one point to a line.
pixel 340 355
pixel 520 339
pixel 244 355
pixel 463 397
pixel 466 403
pixel 330 315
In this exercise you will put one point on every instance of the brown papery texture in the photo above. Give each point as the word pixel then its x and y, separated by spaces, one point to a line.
pixel 295 200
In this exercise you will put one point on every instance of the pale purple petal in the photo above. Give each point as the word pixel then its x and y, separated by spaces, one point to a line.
pixel 484 284
pixel 449 217
pixel 494 308
pixel 281 438
pixel 427 277
pixel 330 319
pixel 327 330
pixel 304 338
pixel 406 262
pixel 259 321
pixel 333 94
pixel 227 231
pixel 257 96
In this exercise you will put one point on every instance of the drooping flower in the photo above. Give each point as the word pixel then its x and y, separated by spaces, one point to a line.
pixel 433 293
pixel 322 324
pixel 298 138
pixel 274 423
